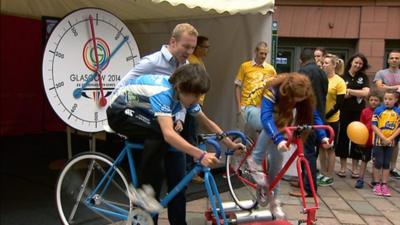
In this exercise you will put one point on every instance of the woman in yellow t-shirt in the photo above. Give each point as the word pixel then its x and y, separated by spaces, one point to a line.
pixel 334 98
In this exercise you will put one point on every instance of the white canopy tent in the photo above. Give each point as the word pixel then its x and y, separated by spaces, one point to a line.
pixel 234 27
pixel 133 10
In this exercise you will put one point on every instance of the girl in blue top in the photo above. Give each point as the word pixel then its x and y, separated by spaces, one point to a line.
pixel 288 100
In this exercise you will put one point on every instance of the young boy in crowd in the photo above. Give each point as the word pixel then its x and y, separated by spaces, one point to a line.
pixel 374 100
pixel 385 123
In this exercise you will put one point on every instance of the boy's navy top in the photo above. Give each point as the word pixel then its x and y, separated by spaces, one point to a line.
pixel 268 109
pixel 153 94
pixel 387 120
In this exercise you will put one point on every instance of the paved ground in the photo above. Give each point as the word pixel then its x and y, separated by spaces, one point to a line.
pixel 339 204
pixel 27 189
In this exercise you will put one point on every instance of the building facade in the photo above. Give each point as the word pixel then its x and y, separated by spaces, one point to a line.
pixel 343 27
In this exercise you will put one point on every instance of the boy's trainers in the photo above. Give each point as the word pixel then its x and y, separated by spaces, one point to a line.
pixel 359 183
pixel 395 173
pixel 145 198
pixel 319 178
pixel 377 189
pixel 385 190
pixel 326 181
pixel 256 172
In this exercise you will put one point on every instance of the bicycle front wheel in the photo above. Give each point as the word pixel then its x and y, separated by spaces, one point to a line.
pixel 90 190
pixel 242 186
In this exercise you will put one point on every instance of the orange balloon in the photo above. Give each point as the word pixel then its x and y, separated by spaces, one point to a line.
pixel 357 132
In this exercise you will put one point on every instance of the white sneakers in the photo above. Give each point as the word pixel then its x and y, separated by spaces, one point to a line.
pixel 145 199
pixel 261 179
pixel 276 209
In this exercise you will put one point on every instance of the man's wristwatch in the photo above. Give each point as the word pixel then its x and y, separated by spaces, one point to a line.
pixel 221 136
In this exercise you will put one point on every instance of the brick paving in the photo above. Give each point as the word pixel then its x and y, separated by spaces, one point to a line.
pixel 340 203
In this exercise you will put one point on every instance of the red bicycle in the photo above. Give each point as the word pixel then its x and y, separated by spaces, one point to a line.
pixel 245 191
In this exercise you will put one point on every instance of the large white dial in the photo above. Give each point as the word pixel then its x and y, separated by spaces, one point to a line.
pixel 78 78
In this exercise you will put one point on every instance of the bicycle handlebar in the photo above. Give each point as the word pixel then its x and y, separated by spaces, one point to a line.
pixel 216 146
pixel 298 129
pixel 236 133
pixel 211 139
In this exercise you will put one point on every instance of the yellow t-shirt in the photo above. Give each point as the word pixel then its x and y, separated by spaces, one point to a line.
pixel 387 120
pixel 195 60
pixel 252 78
pixel 336 87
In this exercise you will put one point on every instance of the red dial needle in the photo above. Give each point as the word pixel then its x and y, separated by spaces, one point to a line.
pixel 103 100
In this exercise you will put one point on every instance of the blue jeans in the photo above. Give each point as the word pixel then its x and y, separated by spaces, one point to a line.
pixel 264 144
pixel 252 117
pixel 382 156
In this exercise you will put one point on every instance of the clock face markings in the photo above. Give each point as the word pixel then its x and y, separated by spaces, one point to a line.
pixel 118 33
pixel 69 62
pixel 73 29
pixel 129 58
pixel 96 117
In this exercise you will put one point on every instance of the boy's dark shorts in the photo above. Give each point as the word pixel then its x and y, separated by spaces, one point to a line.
pixel 366 153
pixel 132 122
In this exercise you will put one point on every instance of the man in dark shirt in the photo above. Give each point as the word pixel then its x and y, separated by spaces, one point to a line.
pixel 319 81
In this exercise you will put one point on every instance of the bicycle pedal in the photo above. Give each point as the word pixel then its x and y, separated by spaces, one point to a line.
pixel 139 216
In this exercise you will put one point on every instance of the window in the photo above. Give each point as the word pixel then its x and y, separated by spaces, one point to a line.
pixel 284 60
pixel 389 46
pixel 289 50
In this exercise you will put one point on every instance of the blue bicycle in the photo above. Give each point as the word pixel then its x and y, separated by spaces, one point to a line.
pixel 92 189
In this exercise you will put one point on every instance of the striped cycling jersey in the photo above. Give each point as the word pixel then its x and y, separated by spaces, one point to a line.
pixel 151 93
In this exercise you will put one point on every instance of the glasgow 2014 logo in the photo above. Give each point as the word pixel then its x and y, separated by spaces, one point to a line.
pixel 103 52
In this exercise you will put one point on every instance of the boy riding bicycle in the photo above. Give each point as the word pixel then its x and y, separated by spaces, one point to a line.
pixel 142 108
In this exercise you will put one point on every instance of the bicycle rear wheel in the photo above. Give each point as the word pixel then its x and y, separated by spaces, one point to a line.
pixel 242 186
pixel 91 191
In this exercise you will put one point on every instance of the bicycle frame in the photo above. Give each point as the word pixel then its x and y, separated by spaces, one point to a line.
pixel 209 182
pixel 294 137
pixel 248 153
